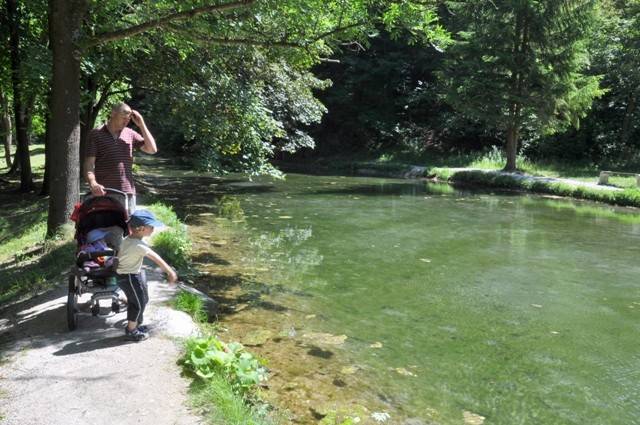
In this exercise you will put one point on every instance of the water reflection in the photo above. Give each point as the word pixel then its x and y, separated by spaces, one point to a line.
pixel 283 254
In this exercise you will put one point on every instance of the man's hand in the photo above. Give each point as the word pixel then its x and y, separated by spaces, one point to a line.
pixel 137 118
pixel 98 190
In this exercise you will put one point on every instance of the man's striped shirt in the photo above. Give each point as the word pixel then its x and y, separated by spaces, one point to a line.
pixel 114 157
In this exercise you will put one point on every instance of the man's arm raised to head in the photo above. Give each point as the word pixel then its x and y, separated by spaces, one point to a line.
pixel 149 142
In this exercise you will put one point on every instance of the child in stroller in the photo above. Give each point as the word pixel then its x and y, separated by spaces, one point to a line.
pixel 101 223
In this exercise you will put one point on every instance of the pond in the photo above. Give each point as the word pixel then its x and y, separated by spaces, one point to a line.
pixel 423 304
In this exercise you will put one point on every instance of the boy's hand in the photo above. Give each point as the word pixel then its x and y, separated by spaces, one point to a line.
pixel 172 277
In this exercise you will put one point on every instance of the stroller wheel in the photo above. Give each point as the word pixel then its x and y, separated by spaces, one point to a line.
pixel 115 307
pixel 72 304
pixel 95 309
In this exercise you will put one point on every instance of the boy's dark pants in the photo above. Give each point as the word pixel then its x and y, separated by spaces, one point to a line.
pixel 135 288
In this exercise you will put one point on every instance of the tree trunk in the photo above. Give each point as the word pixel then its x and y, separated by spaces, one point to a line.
pixel 5 128
pixel 19 107
pixel 511 148
pixel 47 149
pixel 628 113
pixel 88 118
pixel 64 25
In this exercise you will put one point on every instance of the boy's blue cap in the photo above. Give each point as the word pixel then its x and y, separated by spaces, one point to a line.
pixel 144 218
pixel 96 235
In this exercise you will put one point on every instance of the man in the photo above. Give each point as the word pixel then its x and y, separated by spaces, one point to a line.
pixel 109 157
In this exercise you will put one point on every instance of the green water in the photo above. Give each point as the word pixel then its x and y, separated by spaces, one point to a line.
pixel 520 309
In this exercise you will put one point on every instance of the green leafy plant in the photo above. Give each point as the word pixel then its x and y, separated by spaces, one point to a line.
pixel 191 304
pixel 174 247
pixel 210 357
pixel 173 243
pixel 229 207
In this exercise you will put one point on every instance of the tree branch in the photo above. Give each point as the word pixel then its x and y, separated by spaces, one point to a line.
pixel 199 37
pixel 334 31
pixel 159 22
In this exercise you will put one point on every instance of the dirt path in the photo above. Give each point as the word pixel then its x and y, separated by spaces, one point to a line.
pixel 92 375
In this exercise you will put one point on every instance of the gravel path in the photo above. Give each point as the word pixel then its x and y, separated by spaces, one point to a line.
pixel 92 375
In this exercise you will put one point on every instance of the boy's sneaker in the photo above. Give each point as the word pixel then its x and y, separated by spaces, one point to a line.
pixel 135 335
pixel 144 328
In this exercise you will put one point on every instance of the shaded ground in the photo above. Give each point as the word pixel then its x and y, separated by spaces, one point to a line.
pixel 49 375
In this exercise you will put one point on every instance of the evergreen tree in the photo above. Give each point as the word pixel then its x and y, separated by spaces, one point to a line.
pixel 517 64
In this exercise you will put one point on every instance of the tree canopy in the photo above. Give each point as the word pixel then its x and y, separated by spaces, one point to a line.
pixel 519 65
pixel 231 84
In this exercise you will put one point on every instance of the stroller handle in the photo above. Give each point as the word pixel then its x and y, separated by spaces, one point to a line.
pixel 108 189
pixel 112 190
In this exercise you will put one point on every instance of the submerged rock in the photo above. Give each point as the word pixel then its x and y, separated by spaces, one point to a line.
pixel 349 370
pixel 257 337
pixel 472 418
pixel 325 338
pixel 404 372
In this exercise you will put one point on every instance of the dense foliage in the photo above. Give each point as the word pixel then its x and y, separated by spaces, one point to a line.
pixel 421 100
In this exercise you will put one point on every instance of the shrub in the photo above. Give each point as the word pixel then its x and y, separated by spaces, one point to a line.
pixel 173 246
pixel 173 243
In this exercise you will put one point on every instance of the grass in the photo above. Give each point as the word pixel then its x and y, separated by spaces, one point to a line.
pixel 192 305
pixel 221 405
pixel 35 269
pixel 474 169
pixel 29 264
pixel 627 197
pixel 37 158
pixel 495 160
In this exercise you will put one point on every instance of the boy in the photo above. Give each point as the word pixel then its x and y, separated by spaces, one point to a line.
pixel 132 251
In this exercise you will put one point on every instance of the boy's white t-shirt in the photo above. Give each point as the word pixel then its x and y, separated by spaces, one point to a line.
pixel 132 252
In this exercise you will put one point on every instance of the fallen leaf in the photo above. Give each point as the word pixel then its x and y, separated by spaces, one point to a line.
pixel 376 345
pixel 426 260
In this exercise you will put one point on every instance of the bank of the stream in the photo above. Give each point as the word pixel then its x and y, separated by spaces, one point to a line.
pixel 571 182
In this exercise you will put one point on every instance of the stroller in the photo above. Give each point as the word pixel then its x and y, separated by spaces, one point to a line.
pixel 101 223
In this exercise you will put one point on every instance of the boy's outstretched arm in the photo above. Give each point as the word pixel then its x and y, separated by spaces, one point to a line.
pixel 172 277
